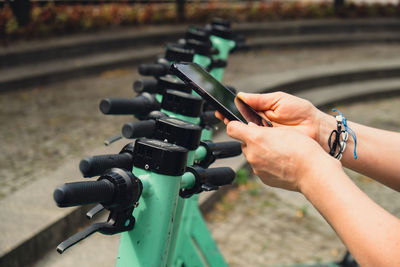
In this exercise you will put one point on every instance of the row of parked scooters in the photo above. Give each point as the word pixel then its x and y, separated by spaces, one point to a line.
pixel 151 188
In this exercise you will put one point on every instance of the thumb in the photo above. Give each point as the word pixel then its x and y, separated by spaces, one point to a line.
pixel 237 130
pixel 260 102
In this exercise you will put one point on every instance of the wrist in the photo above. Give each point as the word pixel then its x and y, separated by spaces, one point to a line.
pixel 326 123
pixel 323 167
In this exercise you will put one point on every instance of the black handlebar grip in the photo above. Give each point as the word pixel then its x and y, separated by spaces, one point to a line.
pixel 140 105
pixel 97 165
pixel 222 150
pixel 82 193
pixel 208 118
pixel 146 85
pixel 220 176
pixel 214 176
pixel 139 129
pixel 153 70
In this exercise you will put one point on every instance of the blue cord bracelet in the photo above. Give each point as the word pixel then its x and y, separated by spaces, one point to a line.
pixel 348 130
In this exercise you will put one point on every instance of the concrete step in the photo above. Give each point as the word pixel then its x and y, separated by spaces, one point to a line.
pixel 344 93
pixel 294 81
pixel 323 39
pixel 323 26
pixel 35 74
pixel 330 85
pixel 135 37
pixel 81 45
pixel 39 62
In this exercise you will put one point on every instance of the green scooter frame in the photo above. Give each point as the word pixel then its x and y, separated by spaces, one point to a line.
pixel 155 215
pixel 195 245
pixel 202 60
pixel 224 46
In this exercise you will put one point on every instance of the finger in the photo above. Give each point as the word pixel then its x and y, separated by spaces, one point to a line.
pixel 219 115
pixel 226 121
pixel 238 130
pixel 244 146
pixel 261 102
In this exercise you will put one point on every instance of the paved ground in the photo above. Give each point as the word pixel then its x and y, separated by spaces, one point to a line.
pixel 47 126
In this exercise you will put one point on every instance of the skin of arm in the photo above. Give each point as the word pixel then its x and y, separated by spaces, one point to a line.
pixel 370 233
pixel 291 160
pixel 377 150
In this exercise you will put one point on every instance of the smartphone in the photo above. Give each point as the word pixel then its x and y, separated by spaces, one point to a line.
pixel 223 99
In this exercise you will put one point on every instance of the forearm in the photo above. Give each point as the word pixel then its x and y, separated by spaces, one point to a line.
pixel 377 151
pixel 371 234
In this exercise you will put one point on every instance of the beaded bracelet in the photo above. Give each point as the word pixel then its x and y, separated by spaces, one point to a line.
pixel 338 144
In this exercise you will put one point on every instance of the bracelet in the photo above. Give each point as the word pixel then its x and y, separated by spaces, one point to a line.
pixel 338 138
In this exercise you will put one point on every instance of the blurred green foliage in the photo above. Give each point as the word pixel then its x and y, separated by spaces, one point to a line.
pixel 242 176
pixel 53 19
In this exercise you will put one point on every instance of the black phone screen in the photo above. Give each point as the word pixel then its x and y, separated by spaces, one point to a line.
pixel 207 86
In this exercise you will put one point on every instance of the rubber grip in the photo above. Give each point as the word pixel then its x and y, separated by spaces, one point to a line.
pixel 208 118
pixel 83 193
pixel 217 176
pixel 146 85
pixel 153 70
pixel 226 149
pixel 140 105
pixel 139 129
pixel 97 165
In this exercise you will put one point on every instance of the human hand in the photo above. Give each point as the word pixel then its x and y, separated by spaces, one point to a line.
pixel 280 156
pixel 285 110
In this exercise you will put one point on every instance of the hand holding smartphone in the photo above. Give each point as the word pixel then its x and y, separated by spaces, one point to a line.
pixel 226 102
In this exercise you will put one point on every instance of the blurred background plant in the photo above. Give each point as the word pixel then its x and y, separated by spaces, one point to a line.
pixel 59 18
